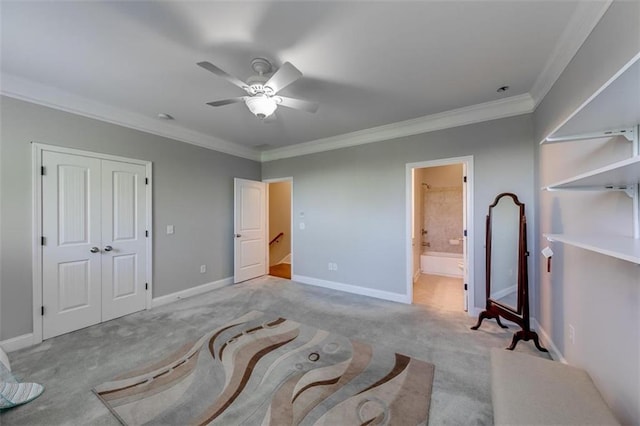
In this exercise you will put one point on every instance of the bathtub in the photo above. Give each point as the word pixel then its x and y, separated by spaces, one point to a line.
pixel 440 263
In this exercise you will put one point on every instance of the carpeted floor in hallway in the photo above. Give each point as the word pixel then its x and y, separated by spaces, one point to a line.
pixel 70 365
pixel 282 270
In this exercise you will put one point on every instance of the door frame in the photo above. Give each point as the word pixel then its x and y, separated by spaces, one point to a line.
pixel 276 180
pixel 37 149
pixel 467 162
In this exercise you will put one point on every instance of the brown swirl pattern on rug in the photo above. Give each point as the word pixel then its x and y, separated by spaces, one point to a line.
pixel 264 370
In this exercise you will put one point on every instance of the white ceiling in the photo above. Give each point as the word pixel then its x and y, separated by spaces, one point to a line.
pixel 369 64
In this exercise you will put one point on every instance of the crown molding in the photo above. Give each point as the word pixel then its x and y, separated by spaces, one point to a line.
pixel 502 108
pixel 30 91
pixel 582 22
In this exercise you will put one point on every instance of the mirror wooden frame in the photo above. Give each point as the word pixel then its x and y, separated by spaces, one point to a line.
pixel 493 308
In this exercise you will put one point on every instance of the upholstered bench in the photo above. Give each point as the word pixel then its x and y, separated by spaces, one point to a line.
pixel 528 390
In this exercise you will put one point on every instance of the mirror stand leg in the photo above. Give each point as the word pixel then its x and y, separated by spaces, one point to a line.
pixel 499 322
pixel 536 341
pixel 517 336
pixel 487 315
pixel 481 317
pixel 526 335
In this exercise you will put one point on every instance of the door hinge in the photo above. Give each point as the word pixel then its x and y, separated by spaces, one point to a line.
pixel 465 286
pixel 464 179
pixel 42 310
pixel 146 286
pixel 146 181
pixel 43 171
pixel 465 233
pixel 146 234
pixel 43 241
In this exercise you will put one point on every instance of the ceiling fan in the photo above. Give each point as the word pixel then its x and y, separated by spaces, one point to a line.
pixel 262 99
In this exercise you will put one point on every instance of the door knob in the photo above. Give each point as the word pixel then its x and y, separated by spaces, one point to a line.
pixel 108 248
pixel 94 249
pixel 238 235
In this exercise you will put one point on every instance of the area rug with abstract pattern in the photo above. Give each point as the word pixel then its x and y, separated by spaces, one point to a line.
pixel 260 369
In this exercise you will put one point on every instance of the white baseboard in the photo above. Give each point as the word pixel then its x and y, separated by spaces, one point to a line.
pixel 19 342
pixel 194 291
pixel 348 288
pixel 546 341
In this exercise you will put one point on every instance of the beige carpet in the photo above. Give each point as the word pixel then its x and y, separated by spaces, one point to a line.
pixel 264 370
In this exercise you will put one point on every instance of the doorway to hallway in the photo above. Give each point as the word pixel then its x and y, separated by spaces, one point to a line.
pixel 279 227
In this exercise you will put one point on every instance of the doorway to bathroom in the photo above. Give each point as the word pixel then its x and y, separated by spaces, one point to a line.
pixel 439 233
pixel 279 227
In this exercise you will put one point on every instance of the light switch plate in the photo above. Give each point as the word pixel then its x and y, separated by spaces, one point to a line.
pixel 169 229
pixel 302 225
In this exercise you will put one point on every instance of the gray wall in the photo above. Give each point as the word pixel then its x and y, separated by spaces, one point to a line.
pixel 598 295
pixel 193 190
pixel 353 199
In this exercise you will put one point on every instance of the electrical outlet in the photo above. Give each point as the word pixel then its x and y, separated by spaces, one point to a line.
pixel 169 229
pixel 333 266
pixel 203 269
pixel 572 334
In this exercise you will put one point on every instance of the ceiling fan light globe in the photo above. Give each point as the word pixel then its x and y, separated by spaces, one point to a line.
pixel 261 106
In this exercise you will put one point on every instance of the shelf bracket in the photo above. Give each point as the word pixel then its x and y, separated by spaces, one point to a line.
pixel 631 134
pixel 631 191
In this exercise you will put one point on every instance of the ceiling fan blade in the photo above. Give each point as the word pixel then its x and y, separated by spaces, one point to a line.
pixel 308 106
pixel 286 75
pixel 220 73
pixel 226 102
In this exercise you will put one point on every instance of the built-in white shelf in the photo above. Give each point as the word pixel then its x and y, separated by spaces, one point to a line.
pixel 621 174
pixel 625 248
pixel 614 106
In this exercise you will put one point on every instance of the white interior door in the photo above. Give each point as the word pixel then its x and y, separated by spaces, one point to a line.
pixel 250 254
pixel 123 239
pixel 71 257
pixel 94 254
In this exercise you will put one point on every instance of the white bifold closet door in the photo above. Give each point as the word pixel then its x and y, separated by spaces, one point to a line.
pixel 93 253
